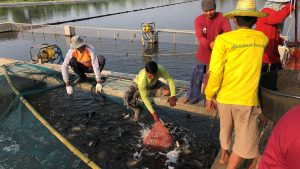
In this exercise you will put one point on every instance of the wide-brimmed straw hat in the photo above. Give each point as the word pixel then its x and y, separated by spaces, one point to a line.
pixel 245 8
pixel 76 42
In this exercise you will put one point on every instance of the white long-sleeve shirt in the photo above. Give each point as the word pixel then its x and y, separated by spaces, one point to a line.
pixel 95 63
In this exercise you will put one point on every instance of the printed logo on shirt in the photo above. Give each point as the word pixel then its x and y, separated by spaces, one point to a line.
pixel 248 45
pixel 204 32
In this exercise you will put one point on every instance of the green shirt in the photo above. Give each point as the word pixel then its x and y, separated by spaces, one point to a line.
pixel 144 84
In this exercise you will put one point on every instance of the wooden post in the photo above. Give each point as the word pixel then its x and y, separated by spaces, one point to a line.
pixel 174 37
pixel 99 33
pixel 131 37
pixel 54 30
pixel 69 30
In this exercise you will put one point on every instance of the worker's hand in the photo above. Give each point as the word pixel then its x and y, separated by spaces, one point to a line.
pixel 155 117
pixel 98 88
pixel 69 90
pixel 211 45
pixel 293 2
pixel 172 101
pixel 210 105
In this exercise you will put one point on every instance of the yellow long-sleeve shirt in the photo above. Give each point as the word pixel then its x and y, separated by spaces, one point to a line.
pixel 144 84
pixel 235 67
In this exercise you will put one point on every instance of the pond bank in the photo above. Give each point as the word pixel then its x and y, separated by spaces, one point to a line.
pixel 19 4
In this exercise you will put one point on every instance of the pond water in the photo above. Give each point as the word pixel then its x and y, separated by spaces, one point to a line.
pixel 99 127
pixel 121 55
pixel 179 16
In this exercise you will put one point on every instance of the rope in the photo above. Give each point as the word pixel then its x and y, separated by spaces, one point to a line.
pixel 212 127
pixel 209 139
pixel 290 16
pixel 288 32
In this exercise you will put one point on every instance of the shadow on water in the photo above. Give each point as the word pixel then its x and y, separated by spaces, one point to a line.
pixel 100 128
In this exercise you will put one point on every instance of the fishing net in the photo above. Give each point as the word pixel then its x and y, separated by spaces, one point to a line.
pixel 94 123
pixel 158 138
pixel 24 141
pixel 294 61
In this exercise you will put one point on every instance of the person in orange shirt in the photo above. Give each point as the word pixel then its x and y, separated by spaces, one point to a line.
pixel 82 59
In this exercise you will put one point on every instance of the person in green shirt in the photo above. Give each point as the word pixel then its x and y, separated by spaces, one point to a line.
pixel 147 79
pixel 235 68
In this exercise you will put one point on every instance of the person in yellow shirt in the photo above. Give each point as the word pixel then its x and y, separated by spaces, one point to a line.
pixel 235 69
pixel 147 79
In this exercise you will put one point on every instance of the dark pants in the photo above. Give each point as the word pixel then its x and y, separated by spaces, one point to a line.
pixel 80 69
pixel 131 96
pixel 194 90
pixel 270 67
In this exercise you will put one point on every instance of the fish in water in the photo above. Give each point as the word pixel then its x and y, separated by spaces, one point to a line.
pixel 133 162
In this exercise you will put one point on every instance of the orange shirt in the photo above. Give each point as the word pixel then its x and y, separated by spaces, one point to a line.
pixel 84 57
pixel 88 58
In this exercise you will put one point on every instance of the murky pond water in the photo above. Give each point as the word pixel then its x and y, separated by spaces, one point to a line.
pixel 121 55
pixel 99 127
pixel 179 16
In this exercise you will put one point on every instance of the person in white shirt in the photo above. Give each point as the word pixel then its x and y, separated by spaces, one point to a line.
pixel 82 59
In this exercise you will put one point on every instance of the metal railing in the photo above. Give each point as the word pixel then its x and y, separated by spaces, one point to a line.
pixel 114 33
pixel 165 35
pixel 175 33
pixel 36 28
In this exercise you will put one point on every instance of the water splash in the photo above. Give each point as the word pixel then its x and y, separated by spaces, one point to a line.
pixel 173 156
pixel 3 138
pixel 13 148
pixel 145 130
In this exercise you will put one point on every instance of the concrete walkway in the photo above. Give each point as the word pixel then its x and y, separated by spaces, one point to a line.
pixel 18 4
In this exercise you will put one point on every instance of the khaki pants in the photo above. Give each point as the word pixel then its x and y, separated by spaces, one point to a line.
pixel 243 121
